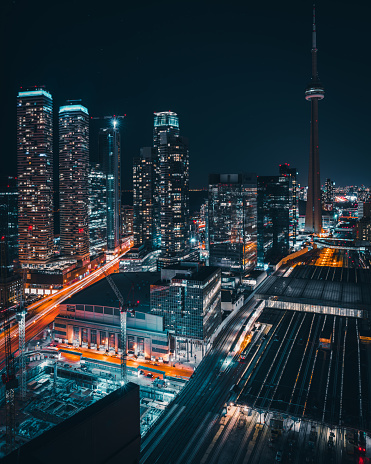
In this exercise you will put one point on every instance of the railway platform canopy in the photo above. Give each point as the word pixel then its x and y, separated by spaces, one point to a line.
pixel 311 367
pixel 320 289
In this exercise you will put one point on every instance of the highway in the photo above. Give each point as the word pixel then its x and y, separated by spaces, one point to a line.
pixel 45 311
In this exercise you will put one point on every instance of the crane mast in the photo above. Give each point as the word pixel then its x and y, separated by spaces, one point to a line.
pixel 123 311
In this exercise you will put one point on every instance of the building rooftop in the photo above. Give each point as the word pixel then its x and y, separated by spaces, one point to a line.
pixel 322 285
pixel 102 294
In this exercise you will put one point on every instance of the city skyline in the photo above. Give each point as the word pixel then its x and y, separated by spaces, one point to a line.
pixel 247 54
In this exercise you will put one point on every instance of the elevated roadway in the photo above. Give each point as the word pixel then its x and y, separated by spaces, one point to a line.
pixel 45 311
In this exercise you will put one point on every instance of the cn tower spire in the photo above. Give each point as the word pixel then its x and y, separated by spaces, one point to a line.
pixel 313 93
pixel 314 35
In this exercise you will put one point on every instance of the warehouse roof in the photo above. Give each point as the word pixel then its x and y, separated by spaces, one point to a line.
pixel 101 292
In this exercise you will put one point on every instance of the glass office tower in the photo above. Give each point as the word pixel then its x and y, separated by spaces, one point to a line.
pixel 73 181
pixel 232 221
pixel 273 218
pixel 171 193
pixel 97 210
pixel 291 173
pixel 35 176
pixel 110 161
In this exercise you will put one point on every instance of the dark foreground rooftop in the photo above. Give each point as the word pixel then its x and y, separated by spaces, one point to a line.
pixel 108 431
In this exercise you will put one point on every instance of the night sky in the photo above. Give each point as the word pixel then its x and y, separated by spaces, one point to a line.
pixel 235 72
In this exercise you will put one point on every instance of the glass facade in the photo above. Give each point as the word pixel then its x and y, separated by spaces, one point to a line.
pixel 232 221
pixel 143 197
pixel 35 176
pixel 291 173
pixel 273 218
pixel 191 308
pixel 9 219
pixel 171 190
pixel 73 181
pixel 110 160
pixel 97 209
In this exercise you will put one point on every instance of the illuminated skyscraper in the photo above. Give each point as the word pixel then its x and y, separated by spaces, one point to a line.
pixel 11 285
pixel 110 161
pixel 273 218
pixel 73 181
pixel 143 196
pixel 313 93
pixel 97 210
pixel 171 193
pixel 35 176
pixel 328 195
pixel 232 221
pixel 291 173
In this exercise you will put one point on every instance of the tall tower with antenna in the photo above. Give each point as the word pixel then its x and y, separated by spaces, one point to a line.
pixel 313 93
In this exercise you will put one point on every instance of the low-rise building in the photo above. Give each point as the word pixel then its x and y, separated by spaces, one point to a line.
pixel 188 298
pixel 91 318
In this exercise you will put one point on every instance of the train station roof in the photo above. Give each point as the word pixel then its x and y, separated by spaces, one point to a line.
pixel 321 285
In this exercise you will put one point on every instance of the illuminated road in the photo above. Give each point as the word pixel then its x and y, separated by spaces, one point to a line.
pixel 47 309
pixel 180 434
pixel 95 355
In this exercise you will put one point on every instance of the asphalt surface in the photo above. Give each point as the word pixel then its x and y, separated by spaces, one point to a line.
pixel 181 434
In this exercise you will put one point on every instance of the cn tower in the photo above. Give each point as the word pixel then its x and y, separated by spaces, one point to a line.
pixel 313 93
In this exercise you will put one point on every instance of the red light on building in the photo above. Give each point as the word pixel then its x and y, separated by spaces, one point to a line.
pixel 30 227
pixel 81 231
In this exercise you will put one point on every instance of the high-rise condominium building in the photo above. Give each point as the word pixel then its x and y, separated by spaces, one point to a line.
pixel 143 196
pixel 35 176
pixel 291 174
pixel 232 221
pixel 73 181
pixel 171 193
pixel 110 161
pixel 273 218
pixel 328 195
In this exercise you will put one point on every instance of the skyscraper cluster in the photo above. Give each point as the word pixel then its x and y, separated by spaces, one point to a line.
pixel 161 192
pixel 87 193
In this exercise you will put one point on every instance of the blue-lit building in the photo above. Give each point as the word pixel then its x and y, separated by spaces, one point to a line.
pixel 171 191
pixel 10 283
pixel 144 177
pixel 35 176
pixel 189 300
pixel 110 162
pixel 273 218
pixel 73 181
pixel 232 221
pixel 97 210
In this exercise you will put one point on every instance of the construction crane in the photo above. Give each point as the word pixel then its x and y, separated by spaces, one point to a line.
pixel 8 377
pixel 124 309
pixel 21 318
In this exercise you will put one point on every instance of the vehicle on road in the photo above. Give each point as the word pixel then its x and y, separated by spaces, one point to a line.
pixel 279 456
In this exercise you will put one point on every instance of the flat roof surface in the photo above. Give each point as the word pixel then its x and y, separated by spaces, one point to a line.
pixel 339 286
pixel 101 293
pixel 299 377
